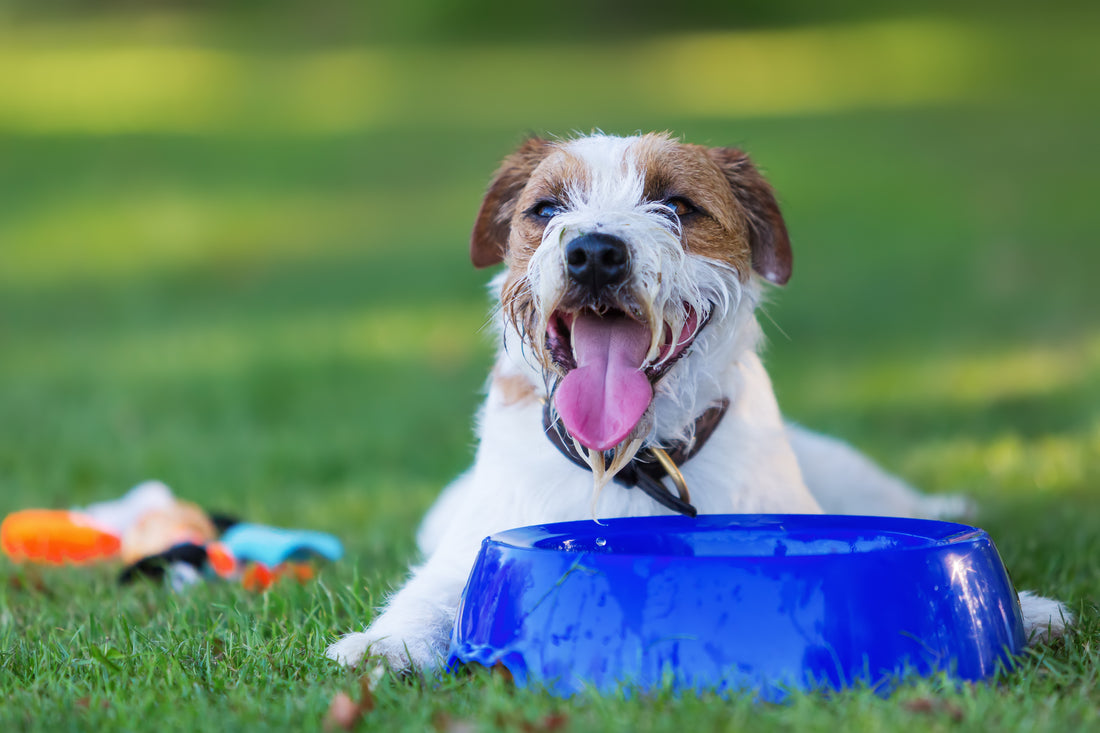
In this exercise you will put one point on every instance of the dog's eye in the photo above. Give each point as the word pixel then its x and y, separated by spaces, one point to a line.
pixel 546 209
pixel 680 207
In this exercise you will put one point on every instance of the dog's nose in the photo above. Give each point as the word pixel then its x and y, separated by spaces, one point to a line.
pixel 595 261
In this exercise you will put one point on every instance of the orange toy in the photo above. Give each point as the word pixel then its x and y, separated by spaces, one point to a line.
pixel 259 577
pixel 57 537
pixel 221 560
pixel 254 576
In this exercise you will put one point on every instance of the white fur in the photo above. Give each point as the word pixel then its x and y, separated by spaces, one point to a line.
pixel 753 462
pixel 1044 618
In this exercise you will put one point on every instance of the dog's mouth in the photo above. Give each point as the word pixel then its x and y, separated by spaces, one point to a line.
pixel 610 370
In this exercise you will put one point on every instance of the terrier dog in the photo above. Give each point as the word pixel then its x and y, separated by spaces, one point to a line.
pixel 628 362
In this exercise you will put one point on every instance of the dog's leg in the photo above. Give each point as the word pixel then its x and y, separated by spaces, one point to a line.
pixel 414 628
pixel 844 481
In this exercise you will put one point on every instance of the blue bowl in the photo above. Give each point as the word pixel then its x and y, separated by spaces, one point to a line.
pixel 762 603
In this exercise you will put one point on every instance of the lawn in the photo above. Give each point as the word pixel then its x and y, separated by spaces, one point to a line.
pixel 234 258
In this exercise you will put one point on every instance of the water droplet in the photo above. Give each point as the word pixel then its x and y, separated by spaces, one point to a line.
pixel 600 541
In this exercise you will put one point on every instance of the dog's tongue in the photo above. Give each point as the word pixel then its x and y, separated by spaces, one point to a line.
pixel 602 400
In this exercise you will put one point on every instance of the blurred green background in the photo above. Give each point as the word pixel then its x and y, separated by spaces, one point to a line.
pixel 233 239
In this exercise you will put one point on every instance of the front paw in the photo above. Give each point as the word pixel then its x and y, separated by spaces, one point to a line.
pixel 350 649
pixel 399 654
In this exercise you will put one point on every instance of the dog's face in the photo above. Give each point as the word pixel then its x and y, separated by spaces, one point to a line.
pixel 621 254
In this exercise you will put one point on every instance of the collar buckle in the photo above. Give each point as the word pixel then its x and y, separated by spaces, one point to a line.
pixel 673 473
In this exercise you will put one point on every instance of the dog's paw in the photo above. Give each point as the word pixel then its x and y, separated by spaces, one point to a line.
pixel 1045 619
pixel 399 655
pixel 351 649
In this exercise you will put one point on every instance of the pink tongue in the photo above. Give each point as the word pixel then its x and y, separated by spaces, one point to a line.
pixel 602 400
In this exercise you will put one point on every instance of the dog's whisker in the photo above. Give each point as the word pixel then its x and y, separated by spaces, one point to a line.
pixel 762 308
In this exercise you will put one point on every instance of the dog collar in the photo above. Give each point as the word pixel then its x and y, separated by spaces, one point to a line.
pixel 651 465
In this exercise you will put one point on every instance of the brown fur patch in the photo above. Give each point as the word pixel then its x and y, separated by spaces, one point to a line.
pixel 489 240
pixel 768 239
pixel 513 388
pixel 718 228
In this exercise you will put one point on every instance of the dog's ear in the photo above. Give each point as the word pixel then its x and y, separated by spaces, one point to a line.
pixel 771 248
pixel 490 237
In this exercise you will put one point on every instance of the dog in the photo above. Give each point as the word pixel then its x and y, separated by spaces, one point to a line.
pixel 628 380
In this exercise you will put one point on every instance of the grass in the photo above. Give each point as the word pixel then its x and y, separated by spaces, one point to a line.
pixel 258 292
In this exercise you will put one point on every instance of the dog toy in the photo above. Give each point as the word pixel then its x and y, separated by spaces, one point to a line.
pixel 258 555
pixel 56 537
pixel 78 536
pixel 182 523
pixel 157 535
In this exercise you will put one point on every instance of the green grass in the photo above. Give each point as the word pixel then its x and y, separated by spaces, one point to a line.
pixel 236 262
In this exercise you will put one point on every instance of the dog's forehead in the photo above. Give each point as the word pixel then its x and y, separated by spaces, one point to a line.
pixel 575 171
pixel 604 155
pixel 627 170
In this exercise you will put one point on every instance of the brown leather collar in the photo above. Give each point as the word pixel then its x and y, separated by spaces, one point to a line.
pixel 645 471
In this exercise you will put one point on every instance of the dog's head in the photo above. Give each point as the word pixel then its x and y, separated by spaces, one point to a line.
pixel 623 256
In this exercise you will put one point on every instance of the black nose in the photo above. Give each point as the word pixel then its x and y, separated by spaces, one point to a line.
pixel 595 261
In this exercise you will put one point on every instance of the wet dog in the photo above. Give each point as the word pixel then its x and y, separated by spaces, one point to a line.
pixel 628 381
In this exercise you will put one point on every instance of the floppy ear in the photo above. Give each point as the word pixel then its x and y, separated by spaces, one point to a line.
pixel 771 248
pixel 490 237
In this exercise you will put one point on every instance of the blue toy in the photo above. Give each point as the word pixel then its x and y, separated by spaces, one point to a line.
pixel 272 546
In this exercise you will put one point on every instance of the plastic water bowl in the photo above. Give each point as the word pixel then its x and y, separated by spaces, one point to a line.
pixel 760 603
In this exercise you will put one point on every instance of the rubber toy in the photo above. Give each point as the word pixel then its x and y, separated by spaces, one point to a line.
pixel 272 546
pixel 57 537
pixel 259 555
pixel 181 523
pixel 80 535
